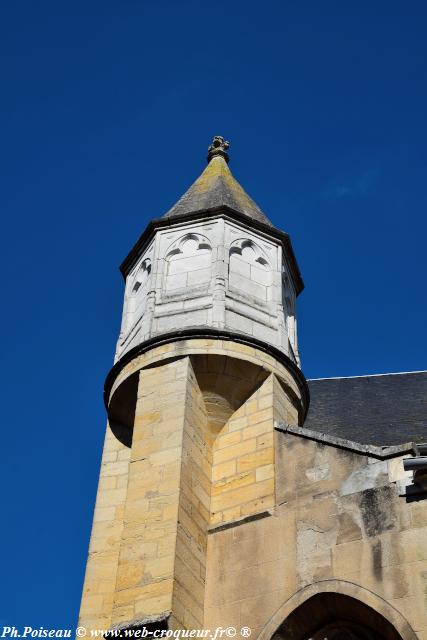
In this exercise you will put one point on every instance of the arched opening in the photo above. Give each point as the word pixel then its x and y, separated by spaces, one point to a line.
pixel 335 616
pixel 188 264
pixel 249 272
pixel 136 297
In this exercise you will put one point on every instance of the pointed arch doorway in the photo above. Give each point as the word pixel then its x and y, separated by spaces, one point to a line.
pixel 333 616
pixel 337 610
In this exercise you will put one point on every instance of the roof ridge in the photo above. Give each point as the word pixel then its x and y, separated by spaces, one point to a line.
pixel 369 375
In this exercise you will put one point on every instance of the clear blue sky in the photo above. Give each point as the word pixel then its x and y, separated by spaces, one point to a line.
pixel 107 109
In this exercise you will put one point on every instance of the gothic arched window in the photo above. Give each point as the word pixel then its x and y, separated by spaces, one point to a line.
pixel 249 271
pixel 188 264
pixel 137 293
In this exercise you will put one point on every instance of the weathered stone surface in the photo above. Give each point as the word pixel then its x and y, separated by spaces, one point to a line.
pixel 217 187
pixel 325 533
pixel 217 274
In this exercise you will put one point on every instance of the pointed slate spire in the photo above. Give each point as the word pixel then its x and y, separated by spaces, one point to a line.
pixel 216 187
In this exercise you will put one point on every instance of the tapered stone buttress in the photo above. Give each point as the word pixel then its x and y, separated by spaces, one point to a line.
pixel 200 456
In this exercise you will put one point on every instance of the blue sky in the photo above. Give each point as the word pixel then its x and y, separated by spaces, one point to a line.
pixel 107 109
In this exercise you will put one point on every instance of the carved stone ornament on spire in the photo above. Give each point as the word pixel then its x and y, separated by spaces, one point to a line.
pixel 218 147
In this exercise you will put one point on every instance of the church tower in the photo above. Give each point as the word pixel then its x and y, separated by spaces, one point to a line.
pixel 207 364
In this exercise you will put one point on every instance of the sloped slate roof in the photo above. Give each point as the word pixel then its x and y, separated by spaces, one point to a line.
pixel 216 187
pixel 388 409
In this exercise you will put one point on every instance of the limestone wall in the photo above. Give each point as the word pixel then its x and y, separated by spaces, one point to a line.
pixel 105 542
pixel 339 525
pixel 214 516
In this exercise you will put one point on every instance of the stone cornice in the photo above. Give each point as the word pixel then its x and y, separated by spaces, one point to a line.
pixel 381 453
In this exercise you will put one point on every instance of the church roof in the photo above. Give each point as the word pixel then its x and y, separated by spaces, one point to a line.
pixel 216 187
pixel 386 409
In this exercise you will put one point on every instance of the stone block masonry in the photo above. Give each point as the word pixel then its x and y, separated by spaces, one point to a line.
pixel 105 543
pixel 202 455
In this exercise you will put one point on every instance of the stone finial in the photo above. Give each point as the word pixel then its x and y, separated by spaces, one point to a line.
pixel 218 147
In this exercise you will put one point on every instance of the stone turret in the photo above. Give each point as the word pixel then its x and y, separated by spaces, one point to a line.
pixel 214 261
pixel 206 366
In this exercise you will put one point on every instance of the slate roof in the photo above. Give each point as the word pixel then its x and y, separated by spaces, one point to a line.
pixel 216 187
pixel 387 409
